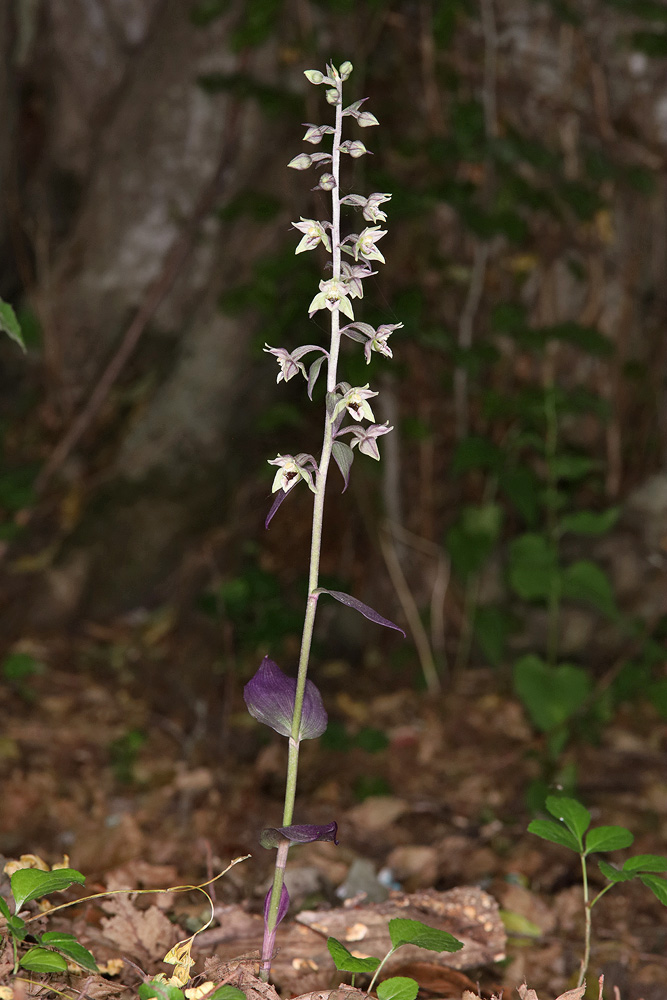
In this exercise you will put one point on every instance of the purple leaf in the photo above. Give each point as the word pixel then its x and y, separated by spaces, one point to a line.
pixel 282 907
pixel 277 500
pixel 300 834
pixel 343 456
pixel 270 695
pixel 359 606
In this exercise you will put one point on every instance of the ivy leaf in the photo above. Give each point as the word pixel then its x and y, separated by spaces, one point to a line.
pixel 345 961
pixel 30 883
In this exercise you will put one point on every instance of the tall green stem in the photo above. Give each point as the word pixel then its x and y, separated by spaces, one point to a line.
pixel 314 566
pixel 587 914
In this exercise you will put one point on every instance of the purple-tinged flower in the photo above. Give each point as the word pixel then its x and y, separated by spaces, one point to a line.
pixel 299 834
pixel 292 468
pixel 353 275
pixel 366 438
pixel 332 295
pixel 378 342
pixel 315 133
pixel 365 244
pixel 270 695
pixel 371 210
pixel 314 233
pixel 290 362
pixel 289 365
pixel 355 401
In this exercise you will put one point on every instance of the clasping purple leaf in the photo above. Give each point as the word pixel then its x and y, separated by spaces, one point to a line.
pixel 270 695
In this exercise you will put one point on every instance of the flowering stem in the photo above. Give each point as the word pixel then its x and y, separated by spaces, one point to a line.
pixel 314 567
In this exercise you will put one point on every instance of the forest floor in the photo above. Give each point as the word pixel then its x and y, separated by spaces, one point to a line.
pixel 113 757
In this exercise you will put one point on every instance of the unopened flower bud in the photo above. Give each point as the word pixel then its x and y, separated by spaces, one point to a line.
pixel 332 96
pixel 314 76
pixel 327 182
pixel 345 69
pixel 300 162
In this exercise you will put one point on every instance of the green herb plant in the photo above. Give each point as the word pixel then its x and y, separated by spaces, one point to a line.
pixel 53 949
pixel 293 707
pixel 401 931
pixel 573 830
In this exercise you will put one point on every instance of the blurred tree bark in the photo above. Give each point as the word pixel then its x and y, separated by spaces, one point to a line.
pixel 112 148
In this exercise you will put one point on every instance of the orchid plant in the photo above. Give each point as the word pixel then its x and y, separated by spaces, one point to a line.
pixel 293 706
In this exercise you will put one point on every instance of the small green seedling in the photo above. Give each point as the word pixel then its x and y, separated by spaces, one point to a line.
pixel 401 931
pixel 54 949
pixel 572 831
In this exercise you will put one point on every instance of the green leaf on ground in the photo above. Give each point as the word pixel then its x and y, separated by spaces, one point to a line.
pixel 68 944
pixel 30 883
pixel 41 960
pixel 404 931
pixel 398 988
pixel 345 961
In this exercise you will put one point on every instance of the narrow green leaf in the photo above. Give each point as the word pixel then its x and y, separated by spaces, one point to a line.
pixel 608 838
pixel 657 885
pixel 554 832
pixel 404 931
pixel 345 961
pixel 646 863
pixel 69 945
pixel 41 960
pixel 30 883
pixel 613 874
pixel 398 988
pixel 575 816
pixel 4 909
pixel 10 325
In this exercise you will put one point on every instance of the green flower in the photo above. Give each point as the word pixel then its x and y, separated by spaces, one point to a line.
pixel 314 234
pixel 332 295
